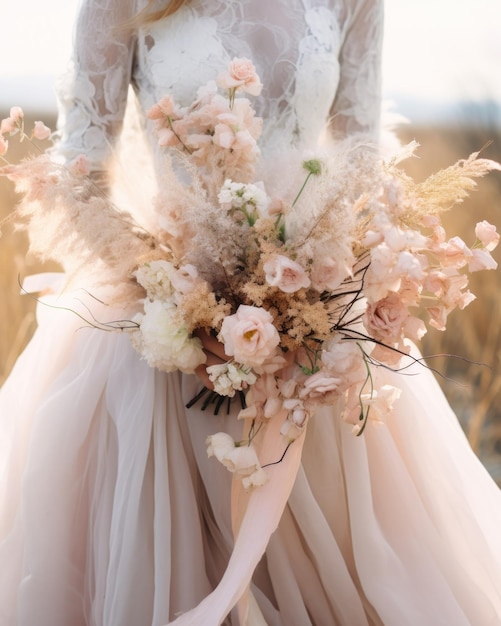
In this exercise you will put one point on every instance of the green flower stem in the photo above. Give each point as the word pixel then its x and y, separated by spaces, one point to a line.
pixel 302 188
pixel 314 168
pixel 364 418
pixel 250 217
pixel 169 119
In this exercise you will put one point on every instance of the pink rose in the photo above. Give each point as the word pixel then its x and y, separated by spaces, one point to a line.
pixel 487 235
pixel 242 74
pixel 249 335
pixel 4 145
pixel 285 274
pixel 385 318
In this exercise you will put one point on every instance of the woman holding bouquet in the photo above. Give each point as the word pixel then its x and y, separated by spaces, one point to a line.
pixel 112 513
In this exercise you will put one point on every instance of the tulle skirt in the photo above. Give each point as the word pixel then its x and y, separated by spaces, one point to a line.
pixel 113 515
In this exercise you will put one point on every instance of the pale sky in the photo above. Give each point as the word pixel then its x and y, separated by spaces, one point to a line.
pixel 435 50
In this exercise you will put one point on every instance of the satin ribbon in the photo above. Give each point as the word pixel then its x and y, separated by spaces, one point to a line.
pixel 255 516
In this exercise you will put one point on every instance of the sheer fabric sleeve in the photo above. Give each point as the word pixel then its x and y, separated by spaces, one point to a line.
pixel 357 106
pixel 92 97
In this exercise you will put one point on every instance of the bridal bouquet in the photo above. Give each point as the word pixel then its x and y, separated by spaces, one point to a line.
pixel 312 271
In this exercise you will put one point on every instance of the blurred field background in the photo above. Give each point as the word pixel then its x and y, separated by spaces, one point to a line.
pixel 17 312
pixel 471 376
pixel 471 379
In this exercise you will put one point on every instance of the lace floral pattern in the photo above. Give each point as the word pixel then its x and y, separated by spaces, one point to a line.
pixel 319 59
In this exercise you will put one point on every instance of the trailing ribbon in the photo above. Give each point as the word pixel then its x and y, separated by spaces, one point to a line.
pixel 255 516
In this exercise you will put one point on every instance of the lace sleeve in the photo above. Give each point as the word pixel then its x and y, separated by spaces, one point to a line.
pixel 357 106
pixel 92 97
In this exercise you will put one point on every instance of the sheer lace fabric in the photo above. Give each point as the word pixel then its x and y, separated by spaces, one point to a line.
pixel 312 70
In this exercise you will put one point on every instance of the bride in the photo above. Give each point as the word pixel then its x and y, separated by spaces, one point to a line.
pixel 111 513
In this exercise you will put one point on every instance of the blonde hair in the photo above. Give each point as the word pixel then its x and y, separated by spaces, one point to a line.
pixel 147 16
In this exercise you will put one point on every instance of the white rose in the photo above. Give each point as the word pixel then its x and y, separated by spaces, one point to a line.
pixel 165 342
pixel 249 335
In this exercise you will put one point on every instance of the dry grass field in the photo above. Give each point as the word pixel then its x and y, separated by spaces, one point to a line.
pixel 470 376
pixel 17 313
pixel 472 382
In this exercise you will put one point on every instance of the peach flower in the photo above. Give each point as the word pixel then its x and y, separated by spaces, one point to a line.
pixel 80 166
pixel 297 419
pixel 219 445
pixel 41 131
pixel 285 274
pixel 384 319
pixel 16 114
pixel 481 260
pixel 167 137
pixel 249 335
pixel 241 74
pixel 320 386
pixel 8 125
pixel 342 360
pixel 438 317
pixel 240 460
pixel 455 253
pixel 329 272
pixel 381 401
pixel 487 235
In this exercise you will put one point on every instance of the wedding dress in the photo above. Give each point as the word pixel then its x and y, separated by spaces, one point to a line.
pixel 111 512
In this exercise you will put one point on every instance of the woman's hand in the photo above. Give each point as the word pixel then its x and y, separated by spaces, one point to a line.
pixel 214 350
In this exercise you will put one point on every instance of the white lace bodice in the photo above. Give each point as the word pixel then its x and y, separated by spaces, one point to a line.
pixel 318 59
